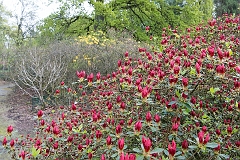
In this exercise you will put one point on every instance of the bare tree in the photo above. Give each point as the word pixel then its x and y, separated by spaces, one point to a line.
pixel 38 70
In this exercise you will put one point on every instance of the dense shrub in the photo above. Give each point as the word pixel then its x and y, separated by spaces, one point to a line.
pixel 179 102
pixel 38 69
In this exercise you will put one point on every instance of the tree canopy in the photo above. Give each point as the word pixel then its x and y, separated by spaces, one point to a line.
pixel 131 15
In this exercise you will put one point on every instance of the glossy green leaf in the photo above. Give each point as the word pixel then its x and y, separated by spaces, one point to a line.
pixel 35 152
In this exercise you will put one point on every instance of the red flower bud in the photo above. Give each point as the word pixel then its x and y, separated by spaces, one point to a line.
pixel 22 155
pixel 103 157
pixel 121 144
pixel 12 142
pixel 4 142
pixel 147 28
pixel 109 140
pixel 185 81
pixel 56 130
pixel 118 129
pixel 80 147
pixel 229 130
pixel 157 118
pixel 172 149
pixel 138 126
pixel 70 139
pixel 175 127
pixel 147 144
pixel 98 134
pixel 185 144
pixel 148 117
pixel 9 129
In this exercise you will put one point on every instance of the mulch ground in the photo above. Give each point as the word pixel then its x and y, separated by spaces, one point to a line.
pixel 21 111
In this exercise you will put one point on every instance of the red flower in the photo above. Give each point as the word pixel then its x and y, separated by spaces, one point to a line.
pixel 118 129
pixel 157 118
pixel 122 105
pixel 176 70
pixel 220 53
pixel 103 157
pixel 221 69
pixel 109 140
pixel 211 51
pixel 238 144
pixel 74 107
pixel 147 28
pixel 229 130
pixel 185 145
pixel 217 149
pixel 130 122
pixel 98 76
pixel 12 142
pixel 206 139
pixel 4 142
pixel 119 99
pixel 147 144
pixel 62 83
pixel 90 78
pixel 55 145
pixel 138 126
pixel 9 129
pixel 172 148
pixel 148 117
pixel 57 91
pixel 56 130
pixel 198 68
pixel 80 147
pixel 127 156
pixel 98 134
pixel 70 139
pixel 90 155
pixel 121 144
pixel 218 132
pixel 237 69
pixel 204 129
pixel 145 92
pixel 175 127
pixel 212 22
pixel 81 75
pixel 185 81
pixel 22 155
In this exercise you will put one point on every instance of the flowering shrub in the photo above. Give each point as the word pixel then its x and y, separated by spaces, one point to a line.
pixel 99 52
pixel 179 102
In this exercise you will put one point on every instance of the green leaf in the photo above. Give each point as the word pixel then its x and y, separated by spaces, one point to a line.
pixel 157 150
pixel 114 155
pixel 224 156
pixel 172 102
pixel 193 147
pixel 140 157
pixel 35 152
pixel 193 71
pixel 188 106
pixel 137 150
pixel 181 157
pixel 153 129
pixel 178 93
pixel 89 150
pixel 213 90
pixel 212 145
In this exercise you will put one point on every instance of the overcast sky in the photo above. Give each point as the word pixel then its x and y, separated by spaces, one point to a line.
pixel 44 9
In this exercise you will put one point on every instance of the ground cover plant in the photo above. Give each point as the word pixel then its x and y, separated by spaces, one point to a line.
pixel 180 100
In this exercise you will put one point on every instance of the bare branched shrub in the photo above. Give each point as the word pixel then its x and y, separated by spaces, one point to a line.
pixel 37 71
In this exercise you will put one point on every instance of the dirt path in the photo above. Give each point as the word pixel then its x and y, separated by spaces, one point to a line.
pixel 15 110
pixel 5 121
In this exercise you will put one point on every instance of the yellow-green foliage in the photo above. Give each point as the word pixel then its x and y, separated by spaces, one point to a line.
pixel 98 38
